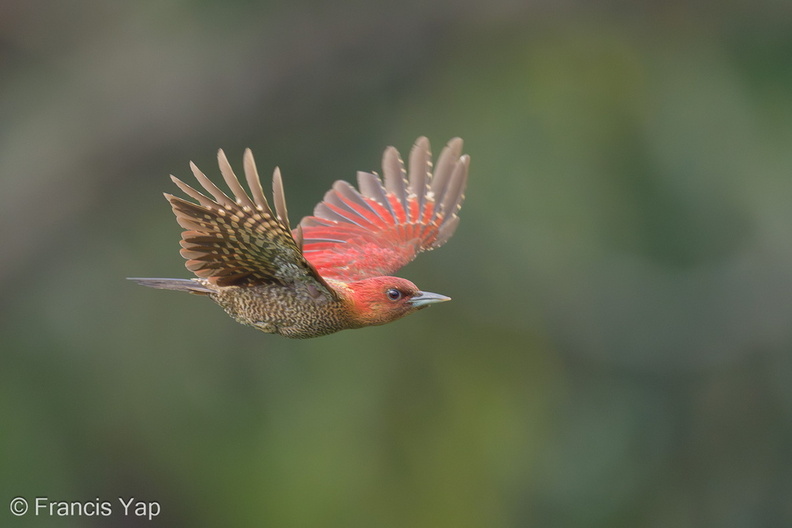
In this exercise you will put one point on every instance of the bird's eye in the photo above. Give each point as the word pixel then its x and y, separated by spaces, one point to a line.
pixel 394 294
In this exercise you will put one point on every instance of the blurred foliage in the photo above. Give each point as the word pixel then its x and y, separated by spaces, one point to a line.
pixel 619 347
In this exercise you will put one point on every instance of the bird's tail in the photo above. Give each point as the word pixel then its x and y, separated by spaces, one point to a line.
pixel 187 285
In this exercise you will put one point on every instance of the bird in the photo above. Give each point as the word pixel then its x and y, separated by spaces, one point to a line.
pixel 334 271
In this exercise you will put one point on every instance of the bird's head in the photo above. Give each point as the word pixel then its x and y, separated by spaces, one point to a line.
pixel 380 300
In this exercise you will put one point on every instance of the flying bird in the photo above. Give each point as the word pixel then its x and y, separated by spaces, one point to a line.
pixel 333 271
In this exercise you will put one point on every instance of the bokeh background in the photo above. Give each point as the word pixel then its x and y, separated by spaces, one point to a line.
pixel 618 352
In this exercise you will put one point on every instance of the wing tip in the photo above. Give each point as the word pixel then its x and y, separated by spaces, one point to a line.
pixel 279 197
pixel 456 142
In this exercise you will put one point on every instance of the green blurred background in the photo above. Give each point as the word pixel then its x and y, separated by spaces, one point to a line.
pixel 618 352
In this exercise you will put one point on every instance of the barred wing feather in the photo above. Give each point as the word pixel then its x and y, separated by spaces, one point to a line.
pixel 240 241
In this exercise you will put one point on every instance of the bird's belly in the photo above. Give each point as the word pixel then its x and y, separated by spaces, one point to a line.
pixel 279 310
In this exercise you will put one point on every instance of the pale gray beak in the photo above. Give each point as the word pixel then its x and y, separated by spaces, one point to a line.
pixel 422 298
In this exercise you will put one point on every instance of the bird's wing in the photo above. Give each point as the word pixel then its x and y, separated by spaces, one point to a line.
pixel 375 231
pixel 241 241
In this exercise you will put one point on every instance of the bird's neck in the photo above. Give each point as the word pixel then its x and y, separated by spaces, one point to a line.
pixel 349 301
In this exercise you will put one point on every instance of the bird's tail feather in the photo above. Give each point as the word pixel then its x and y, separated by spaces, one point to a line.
pixel 187 285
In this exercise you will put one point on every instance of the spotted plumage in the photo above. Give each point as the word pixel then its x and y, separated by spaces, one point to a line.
pixel 333 271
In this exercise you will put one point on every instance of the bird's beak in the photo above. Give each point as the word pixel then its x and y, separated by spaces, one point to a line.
pixel 422 298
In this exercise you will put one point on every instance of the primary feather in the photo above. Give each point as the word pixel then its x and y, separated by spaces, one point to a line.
pixel 238 242
pixel 375 231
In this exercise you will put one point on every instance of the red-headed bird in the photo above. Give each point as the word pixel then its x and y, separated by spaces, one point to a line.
pixel 333 271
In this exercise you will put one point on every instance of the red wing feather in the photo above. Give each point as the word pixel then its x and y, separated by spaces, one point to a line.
pixel 375 231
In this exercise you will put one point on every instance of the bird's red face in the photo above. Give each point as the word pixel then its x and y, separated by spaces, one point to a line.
pixel 380 300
